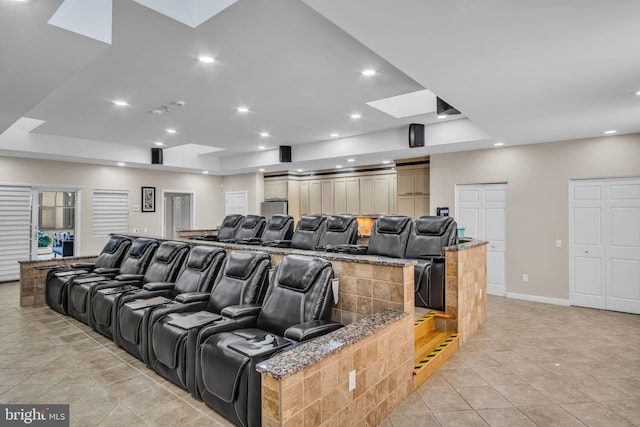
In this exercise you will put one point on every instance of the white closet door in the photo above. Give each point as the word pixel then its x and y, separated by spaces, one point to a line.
pixel 15 225
pixel 623 245
pixel 586 261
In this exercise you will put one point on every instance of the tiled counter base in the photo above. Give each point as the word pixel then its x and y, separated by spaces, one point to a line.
pixel 33 275
pixel 309 385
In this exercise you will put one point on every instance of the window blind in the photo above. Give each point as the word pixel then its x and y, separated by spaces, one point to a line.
pixel 110 212
pixel 15 225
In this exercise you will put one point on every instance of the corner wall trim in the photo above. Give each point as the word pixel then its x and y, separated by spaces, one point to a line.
pixel 536 298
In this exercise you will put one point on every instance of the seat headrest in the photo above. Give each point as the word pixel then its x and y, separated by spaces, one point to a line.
pixel 114 243
pixel 340 222
pixel 139 247
pixel 278 221
pixel 251 221
pixel 298 272
pixel 310 222
pixel 168 250
pixel 393 224
pixel 433 225
pixel 231 220
pixel 201 257
pixel 241 264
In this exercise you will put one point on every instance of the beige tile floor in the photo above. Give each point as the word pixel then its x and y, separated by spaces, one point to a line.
pixel 531 364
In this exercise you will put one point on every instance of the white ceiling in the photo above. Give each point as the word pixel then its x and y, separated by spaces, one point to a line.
pixel 520 72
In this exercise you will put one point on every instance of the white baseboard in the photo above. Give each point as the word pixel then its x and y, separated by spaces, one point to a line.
pixel 535 298
pixel 499 290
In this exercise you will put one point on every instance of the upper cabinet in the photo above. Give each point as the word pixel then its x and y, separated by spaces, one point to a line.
pixel 275 189
pixel 413 191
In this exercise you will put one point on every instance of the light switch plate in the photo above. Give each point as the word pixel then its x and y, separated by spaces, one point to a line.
pixel 352 380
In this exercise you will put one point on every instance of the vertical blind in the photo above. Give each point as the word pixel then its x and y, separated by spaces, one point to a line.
pixel 110 212
pixel 15 226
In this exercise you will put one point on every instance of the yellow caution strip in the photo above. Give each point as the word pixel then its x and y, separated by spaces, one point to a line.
pixel 436 351
pixel 428 315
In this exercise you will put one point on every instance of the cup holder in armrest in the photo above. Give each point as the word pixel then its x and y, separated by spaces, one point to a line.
pixel 347 249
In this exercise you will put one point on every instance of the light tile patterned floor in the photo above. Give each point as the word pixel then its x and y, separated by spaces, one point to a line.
pixel 531 364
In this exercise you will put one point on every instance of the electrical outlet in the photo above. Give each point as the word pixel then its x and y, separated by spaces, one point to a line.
pixel 558 243
pixel 146 230
pixel 135 229
pixel 525 277
pixel 352 380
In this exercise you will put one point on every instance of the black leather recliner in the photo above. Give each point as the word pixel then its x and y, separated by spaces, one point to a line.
pixel 56 288
pixel 197 275
pixel 427 240
pixel 173 330
pixel 341 230
pixel 80 289
pixel 306 236
pixel 230 226
pixel 252 227
pixel 279 227
pixel 389 236
pixel 105 298
pixel 226 376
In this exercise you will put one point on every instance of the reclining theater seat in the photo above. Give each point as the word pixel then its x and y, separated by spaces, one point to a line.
pixel 308 232
pixel 389 236
pixel 341 230
pixel 279 227
pixel 173 330
pixel 226 376
pixel 252 227
pixel 197 276
pixel 58 280
pixel 105 298
pixel 427 240
pixel 135 262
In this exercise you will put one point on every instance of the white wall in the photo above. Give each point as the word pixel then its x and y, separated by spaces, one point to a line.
pixel 209 200
pixel 538 198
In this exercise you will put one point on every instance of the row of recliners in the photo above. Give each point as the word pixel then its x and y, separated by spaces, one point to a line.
pixel 313 232
pixel 200 318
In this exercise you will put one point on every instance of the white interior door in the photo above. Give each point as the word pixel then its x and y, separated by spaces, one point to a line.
pixel 605 244
pixel 482 210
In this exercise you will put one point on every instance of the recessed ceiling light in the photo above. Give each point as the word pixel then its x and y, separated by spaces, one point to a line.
pixel 261 170
pixel 610 132
pixel 638 93
pixel 334 135
pixel 264 134
pixel 498 144
pixel 442 116
pixel 158 143
pixel 121 164
pixel 351 160
pixel 355 116
pixel 300 170
pixel 242 109
pixel 206 59
pixel 386 162
pixel 171 131
pixel 261 147
pixel 120 103
pixel 368 72
pixel 338 166
pixel 205 172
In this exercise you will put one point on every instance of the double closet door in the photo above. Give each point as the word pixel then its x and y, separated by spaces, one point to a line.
pixel 604 255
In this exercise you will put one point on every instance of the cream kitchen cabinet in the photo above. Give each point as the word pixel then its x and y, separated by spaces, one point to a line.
pixel 275 190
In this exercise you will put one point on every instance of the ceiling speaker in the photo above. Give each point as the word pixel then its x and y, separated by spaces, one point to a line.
pixel 156 156
pixel 285 154
pixel 416 135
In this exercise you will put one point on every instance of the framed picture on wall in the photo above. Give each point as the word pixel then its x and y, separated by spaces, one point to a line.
pixel 148 199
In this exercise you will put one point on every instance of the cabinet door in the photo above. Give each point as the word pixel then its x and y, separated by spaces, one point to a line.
pixel 421 182
pixel 340 196
pixel 405 183
pixel 406 205
pixel 381 195
pixel 269 190
pixel 327 197
pixel 304 198
pixel 421 205
pixel 366 196
pixel 280 189
pixel 353 196
pixel 393 194
pixel 315 197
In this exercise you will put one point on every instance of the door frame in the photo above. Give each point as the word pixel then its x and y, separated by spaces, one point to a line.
pixel 193 208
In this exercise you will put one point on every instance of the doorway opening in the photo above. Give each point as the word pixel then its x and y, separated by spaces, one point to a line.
pixel 178 213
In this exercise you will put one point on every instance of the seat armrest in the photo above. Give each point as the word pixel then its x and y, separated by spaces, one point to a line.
pixel 188 297
pixel 84 265
pixel 110 271
pixel 244 310
pixel 431 257
pixel 158 286
pixel 278 243
pixel 315 328
pixel 250 241
pixel 347 249
pixel 129 277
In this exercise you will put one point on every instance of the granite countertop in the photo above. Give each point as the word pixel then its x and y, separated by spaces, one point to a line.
pixel 311 352
pixel 466 244
pixel 64 259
